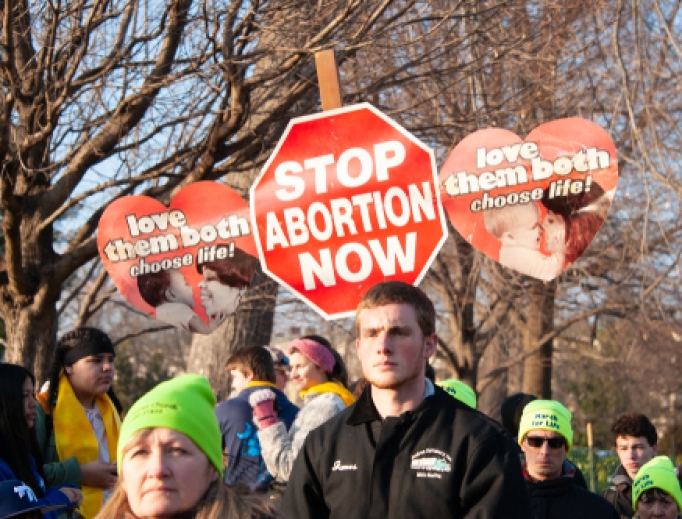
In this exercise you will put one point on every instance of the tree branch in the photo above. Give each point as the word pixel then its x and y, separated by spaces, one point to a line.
pixel 128 114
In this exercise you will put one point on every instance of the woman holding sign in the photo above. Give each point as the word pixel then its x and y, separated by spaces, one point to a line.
pixel 319 373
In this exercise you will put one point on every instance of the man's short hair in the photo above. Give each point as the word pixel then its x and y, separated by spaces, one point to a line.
pixel 153 287
pixel 397 293
pixel 254 359
pixel 635 425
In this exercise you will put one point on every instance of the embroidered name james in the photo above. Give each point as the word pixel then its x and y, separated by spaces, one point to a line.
pixel 338 466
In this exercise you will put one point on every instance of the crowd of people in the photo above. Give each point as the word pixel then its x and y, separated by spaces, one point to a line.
pixel 399 445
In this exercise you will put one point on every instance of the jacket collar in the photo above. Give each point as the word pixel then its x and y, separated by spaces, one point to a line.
pixel 550 487
pixel 365 411
pixel 621 477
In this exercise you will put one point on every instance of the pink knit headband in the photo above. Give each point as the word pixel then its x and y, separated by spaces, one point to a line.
pixel 315 352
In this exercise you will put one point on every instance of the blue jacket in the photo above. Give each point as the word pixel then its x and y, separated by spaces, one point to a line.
pixel 52 494
pixel 241 449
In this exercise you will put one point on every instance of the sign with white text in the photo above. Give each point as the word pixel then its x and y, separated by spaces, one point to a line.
pixel 188 264
pixel 347 199
pixel 532 205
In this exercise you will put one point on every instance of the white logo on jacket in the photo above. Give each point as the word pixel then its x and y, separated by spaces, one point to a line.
pixel 338 466
pixel 25 490
pixel 431 463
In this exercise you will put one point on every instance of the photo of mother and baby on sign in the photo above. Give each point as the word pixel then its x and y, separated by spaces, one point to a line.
pixel 221 288
pixel 562 226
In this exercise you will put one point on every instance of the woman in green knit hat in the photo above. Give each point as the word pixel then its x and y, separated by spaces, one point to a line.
pixel 656 492
pixel 170 459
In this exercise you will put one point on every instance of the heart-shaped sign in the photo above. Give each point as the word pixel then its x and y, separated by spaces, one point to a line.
pixel 188 264
pixel 533 205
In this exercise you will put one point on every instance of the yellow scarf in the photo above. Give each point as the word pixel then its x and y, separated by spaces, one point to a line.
pixel 331 387
pixel 255 383
pixel 74 437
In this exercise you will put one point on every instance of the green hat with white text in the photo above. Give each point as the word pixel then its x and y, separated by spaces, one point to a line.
pixel 546 415
pixel 185 404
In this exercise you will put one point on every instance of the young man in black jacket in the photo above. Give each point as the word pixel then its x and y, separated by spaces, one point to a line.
pixel 545 436
pixel 636 442
pixel 405 449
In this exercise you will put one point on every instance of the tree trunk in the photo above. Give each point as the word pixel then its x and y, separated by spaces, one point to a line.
pixel 31 336
pixel 31 318
pixel 250 325
pixel 537 368
pixel 490 400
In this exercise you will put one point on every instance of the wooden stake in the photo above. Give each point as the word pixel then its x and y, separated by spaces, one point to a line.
pixel 328 79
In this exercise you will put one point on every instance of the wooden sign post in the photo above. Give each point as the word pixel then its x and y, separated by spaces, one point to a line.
pixel 328 79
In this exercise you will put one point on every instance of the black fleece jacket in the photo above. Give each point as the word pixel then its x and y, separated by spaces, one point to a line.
pixel 559 498
pixel 440 460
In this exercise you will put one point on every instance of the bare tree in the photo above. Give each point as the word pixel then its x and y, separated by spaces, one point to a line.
pixel 528 63
pixel 103 99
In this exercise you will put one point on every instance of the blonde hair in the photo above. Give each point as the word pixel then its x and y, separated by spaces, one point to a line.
pixel 218 502
pixel 508 218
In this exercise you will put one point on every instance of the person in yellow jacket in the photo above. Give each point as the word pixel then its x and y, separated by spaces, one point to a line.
pixel 319 373
pixel 78 420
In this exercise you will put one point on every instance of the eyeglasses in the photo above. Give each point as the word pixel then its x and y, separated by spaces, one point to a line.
pixel 554 443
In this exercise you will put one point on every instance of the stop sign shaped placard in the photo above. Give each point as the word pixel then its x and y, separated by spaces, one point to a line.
pixel 348 199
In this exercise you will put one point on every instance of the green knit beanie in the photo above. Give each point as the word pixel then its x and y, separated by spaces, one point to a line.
pixel 460 391
pixel 546 415
pixel 184 404
pixel 658 473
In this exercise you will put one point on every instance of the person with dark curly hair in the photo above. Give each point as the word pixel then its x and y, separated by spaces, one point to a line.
pixel 78 420
pixel 636 443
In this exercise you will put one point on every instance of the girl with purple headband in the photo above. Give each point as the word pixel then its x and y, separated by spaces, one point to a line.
pixel 318 372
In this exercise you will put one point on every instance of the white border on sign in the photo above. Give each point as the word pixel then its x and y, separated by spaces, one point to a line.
pixel 331 113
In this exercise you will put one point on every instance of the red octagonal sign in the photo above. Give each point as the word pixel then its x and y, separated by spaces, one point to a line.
pixel 348 199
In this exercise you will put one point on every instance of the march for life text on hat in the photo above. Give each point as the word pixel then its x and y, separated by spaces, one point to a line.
pixel 16 498
pixel 657 473
pixel 546 415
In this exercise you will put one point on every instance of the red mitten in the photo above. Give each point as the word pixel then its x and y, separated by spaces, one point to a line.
pixel 263 403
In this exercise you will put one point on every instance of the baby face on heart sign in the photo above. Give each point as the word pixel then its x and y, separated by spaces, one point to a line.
pixel 187 265
pixel 532 205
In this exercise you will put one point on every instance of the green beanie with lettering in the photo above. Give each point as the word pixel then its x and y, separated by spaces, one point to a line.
pixel 657 473
pixel 460 391
pixel 546 415
pixel 184 404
